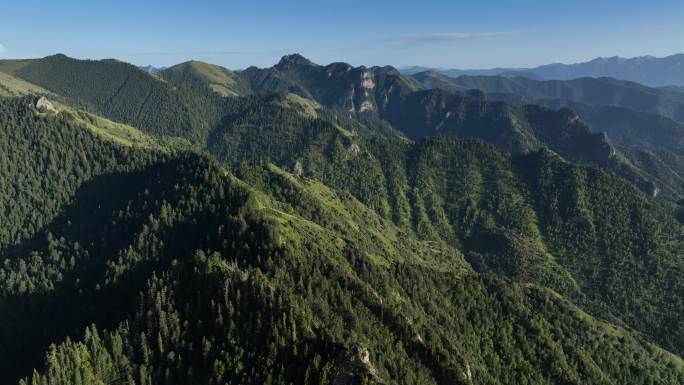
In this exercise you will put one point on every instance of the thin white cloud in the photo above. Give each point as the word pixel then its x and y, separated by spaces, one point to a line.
pixel 447 37
pixel 2 49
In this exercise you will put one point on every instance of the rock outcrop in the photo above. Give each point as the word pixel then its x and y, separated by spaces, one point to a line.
pixel 45 105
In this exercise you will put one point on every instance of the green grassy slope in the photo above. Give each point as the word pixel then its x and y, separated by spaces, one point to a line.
pixel 218 79
pixel 590 91
pixel 126 94
pixel 12 86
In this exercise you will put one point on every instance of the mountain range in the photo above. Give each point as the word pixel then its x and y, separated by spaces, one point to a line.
pixel 332 224
pixel 152 69
pixel 617 107
pixel 647 70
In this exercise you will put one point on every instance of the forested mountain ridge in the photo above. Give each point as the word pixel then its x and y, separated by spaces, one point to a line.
pixel 219 79
pixel 192 275
pixel 418 186
pixel 590 91
pixel 203 116
pixel 617 108
pixel 633 115
pixel 289 239
pixel 375 92
pixel 380 91
pixel 126 94
pixel 632 128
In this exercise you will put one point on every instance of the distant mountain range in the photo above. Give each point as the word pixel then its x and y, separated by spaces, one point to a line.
pixel 632 114
pixel 152 69
pixel 647 70
pixel 593 91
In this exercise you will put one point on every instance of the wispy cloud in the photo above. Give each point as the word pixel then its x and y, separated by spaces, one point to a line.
pixel 2 49
pixel 437 38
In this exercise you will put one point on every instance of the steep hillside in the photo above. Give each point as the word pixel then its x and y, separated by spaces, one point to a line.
pixel 421 188
pixel 175 271
pixel 383 93
pixel 632 128
pixel 43 164
pixel 268 81
pixel 627 128
pixel 184 106
pixel 590 91
pixel 372 93
pixel 126 94
pixel 12 86
pixel 339 86
pixel 472 197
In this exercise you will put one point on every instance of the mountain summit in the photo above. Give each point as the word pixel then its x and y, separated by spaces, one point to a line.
pixel 292 61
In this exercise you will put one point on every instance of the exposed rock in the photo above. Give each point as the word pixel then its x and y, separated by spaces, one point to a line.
pixel 44 105
pixel 469 374
pixel 352 94
pixel 367 80
pixel 364 356
pixel 354 366
pixel 354 148
pixel 298 169
pixel 366 106
pixel 650 188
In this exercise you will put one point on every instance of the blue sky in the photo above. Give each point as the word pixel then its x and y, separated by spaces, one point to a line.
pixel 238 33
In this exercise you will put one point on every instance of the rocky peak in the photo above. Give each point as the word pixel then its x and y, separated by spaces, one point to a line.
pixel 367 81
pixel 293 61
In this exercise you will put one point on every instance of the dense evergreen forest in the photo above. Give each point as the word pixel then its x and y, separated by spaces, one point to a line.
pixel 289 240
